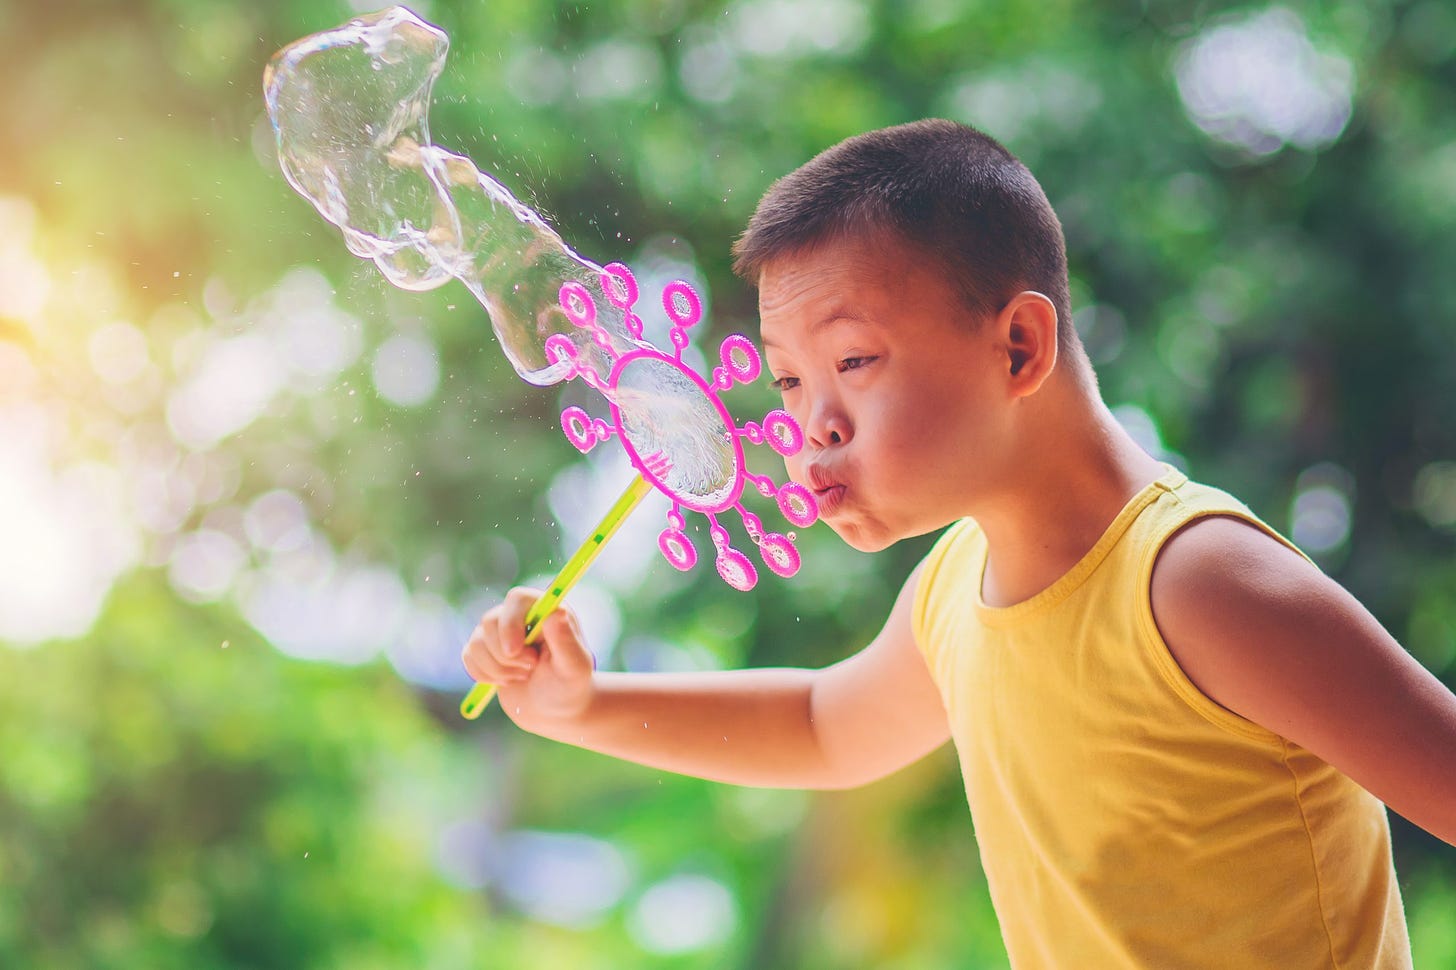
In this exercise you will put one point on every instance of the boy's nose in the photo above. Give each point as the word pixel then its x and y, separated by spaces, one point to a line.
pixel 828 426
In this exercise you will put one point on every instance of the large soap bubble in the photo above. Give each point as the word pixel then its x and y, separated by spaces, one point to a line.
pixel 350 109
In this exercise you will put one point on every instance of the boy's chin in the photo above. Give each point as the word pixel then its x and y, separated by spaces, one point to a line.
pixel 861 539
pixel 877 537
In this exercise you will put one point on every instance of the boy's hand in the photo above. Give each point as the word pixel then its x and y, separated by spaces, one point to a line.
pixel 549 679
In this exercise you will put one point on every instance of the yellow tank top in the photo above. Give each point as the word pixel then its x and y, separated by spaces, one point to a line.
pixel 1124 819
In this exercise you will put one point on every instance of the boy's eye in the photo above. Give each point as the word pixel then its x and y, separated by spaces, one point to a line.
pixel 784 384
pixel 854 363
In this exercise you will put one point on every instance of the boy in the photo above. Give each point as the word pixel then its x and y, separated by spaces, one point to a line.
pixel 1173 728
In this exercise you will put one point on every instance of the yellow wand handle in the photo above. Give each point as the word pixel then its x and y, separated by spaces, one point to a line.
pixel 479 697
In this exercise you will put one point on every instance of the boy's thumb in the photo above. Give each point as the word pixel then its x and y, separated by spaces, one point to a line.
pixel 568 654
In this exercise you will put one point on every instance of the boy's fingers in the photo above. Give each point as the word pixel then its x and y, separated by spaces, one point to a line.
pixel 497 651
pixel 474 658
pixel 568 654
pixel 482 654
pixel 479 664
pixel 506 632
pixel 518 603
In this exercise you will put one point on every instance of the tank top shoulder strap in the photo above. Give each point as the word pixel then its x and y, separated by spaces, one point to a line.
pixel 1183 502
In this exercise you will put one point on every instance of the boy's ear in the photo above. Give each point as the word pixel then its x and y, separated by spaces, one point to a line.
pixel 1028 324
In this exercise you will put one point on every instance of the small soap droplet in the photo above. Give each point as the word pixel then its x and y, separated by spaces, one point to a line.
pixel 226 644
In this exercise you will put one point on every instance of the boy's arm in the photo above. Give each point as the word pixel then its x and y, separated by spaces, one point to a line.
pixel 1264 633
pixel 842 726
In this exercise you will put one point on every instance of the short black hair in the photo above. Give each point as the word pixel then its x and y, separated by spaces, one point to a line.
pixel 953 191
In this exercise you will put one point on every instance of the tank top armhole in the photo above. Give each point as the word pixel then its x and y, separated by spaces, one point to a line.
pixel 919 615
pixel 1157 649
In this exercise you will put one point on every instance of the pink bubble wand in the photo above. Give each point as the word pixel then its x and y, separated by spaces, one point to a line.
pixel 637 425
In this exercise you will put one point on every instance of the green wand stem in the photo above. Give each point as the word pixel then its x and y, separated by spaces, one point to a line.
pixel 479 697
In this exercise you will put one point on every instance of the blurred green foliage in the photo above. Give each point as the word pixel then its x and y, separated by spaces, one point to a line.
pixel 1270 305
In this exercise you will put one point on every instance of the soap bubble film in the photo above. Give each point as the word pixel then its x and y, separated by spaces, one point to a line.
pixel 350 111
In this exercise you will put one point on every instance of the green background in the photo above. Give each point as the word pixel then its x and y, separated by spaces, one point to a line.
pixel 251 498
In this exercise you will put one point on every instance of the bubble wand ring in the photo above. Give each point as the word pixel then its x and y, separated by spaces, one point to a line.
pixel 640 433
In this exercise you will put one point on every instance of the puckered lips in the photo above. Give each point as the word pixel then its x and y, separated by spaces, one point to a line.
pixel 828 488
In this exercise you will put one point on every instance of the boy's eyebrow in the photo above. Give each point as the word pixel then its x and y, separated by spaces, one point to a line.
pixel 838 315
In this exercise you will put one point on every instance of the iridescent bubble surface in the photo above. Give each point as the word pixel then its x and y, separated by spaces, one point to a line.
pixel 350 109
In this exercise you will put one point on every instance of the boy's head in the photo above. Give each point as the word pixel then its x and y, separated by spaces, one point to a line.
pixel 912 304
pixel 947 190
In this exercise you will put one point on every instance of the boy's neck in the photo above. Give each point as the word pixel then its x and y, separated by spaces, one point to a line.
pixel 1061 497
